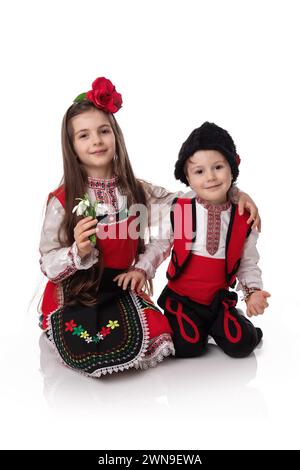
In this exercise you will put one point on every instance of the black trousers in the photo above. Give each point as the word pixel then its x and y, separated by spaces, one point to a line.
pixel 192 323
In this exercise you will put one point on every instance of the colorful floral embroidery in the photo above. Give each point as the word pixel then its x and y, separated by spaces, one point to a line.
pixel 113 324
pixel 104 331
pixel 77 330
pixel 123 348
pixel 70 325
pixel 83 334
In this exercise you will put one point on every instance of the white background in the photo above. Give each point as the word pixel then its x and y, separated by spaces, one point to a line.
pixel 176 64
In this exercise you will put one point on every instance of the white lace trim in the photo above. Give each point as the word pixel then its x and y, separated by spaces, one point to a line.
pixel 164 350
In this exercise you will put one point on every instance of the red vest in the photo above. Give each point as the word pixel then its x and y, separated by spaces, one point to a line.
pixel 118 252
pixel 183 220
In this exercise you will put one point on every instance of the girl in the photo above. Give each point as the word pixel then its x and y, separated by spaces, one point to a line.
pixel 94 325
pixel 212 245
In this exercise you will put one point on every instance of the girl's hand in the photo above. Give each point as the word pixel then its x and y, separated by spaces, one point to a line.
pixel 257 302
pixel 245 202
pixel 82 231
pixel 137 279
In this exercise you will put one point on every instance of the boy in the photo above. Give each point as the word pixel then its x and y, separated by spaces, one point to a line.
pixel 212 246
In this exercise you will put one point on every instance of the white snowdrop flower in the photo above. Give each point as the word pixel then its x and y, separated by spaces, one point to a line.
pixel 82 206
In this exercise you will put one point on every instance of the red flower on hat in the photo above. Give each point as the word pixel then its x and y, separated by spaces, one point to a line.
pixel 104 95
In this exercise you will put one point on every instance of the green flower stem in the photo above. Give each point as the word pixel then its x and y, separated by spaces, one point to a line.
pixel 91 211
pixel 93 239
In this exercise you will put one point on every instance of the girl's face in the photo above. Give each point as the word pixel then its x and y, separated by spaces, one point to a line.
pixel 94 142
pixel 209 175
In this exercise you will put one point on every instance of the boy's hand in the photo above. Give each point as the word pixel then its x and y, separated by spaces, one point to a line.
pixel 135 279
pixel 257 302
pixel 245 202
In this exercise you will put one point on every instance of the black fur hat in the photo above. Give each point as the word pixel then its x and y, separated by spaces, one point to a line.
pixel 209 136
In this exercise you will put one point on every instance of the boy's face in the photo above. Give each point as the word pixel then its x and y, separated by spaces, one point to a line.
pixel 209 175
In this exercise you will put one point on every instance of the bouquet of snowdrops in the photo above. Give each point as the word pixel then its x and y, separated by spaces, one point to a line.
pixel 88 209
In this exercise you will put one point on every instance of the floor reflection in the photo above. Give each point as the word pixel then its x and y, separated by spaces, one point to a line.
pixel 213 384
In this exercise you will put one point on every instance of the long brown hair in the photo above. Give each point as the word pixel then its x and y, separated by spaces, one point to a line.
pixel 83 286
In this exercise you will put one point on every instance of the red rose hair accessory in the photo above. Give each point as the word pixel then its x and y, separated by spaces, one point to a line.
pixel 237 159
pixel 103 95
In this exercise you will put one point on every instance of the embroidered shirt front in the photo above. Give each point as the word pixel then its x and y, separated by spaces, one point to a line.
pixel 212 225
pixel 105 190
